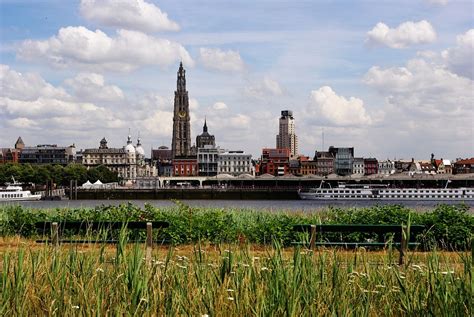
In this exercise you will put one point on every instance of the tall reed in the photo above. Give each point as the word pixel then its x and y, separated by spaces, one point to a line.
pixel 231 280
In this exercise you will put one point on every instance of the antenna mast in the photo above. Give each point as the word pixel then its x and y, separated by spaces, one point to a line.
pixel 322 138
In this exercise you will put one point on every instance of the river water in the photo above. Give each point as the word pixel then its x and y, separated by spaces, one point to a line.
pixel 286 205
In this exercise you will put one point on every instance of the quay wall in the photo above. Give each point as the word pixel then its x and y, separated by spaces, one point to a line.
pixel 185 194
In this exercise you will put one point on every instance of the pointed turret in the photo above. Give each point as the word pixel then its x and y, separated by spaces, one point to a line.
pixel 19 145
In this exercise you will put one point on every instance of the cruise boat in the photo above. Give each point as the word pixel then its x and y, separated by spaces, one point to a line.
pixel 14 192
pixel 381 192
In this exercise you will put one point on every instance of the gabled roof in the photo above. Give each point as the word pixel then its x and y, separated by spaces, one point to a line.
pixel 465 161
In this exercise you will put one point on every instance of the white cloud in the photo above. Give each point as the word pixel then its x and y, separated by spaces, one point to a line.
pixel 28 86
pixel 23 123
pixel 81 47
pixel 159 124
pixel 240 122
pixel 327 106
pixel 128 14
pixel 437 2
pixel 92 87
pixel 45 107
pixel 460 59
pixel 427 107
pixel 263 89
pixel 59 117
pixel 406 34
pixel 219 106
pixel 193 104
pixel 424 89
pixel 215 58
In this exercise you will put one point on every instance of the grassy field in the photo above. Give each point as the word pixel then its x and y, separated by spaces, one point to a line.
pixel 229 280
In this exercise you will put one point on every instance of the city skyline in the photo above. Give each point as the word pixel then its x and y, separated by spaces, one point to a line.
pixel 396 81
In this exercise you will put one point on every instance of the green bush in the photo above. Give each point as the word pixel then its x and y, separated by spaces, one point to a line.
pixel 448 227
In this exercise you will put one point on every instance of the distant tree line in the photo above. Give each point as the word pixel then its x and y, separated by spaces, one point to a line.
pixel 60 175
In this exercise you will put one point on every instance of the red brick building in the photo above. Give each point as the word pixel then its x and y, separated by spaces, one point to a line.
pixel 275 162
pixel 9 155
pixel 185 167
pixel 464 166
pixel 371 166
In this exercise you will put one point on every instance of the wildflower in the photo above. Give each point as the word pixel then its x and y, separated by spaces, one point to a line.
pixel 264 269
pixel 230 290
pixel 75 306
pixel 204 315
pixel 230 298
pixel 227 251
pixel 99 269
pixel 256 258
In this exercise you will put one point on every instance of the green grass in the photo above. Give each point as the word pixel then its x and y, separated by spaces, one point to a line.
pixel 235 281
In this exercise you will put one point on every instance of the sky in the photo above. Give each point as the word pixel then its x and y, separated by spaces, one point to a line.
pixel 393 79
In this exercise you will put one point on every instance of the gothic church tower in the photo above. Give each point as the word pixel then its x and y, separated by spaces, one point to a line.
pixel 181 143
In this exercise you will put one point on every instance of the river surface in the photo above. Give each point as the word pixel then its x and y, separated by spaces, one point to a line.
pixel 286 205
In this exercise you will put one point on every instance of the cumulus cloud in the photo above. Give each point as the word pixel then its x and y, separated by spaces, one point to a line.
pixel 327 106
pixel 219 106
pixel 128 14
pixel 81 47
pixel 460 59
pixel 406 34
pixel 263 89
pixel 423 88
pixel 92 87
pixel 427 108
pixel 80 118
pixel 226 61
pixel 27 86
pixel 23 123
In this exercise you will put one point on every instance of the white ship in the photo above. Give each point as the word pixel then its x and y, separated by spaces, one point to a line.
pixel 378 192
pixel 14 192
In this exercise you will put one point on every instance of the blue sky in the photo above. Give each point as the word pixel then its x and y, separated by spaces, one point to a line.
pixel 391 78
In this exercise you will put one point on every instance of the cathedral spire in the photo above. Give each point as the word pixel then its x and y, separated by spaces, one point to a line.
pixel 181 142
pixel 181 82
pixel 204 128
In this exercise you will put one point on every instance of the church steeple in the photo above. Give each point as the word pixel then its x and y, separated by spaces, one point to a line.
pixel 181 82
pixel 205 138
pixel 181 142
